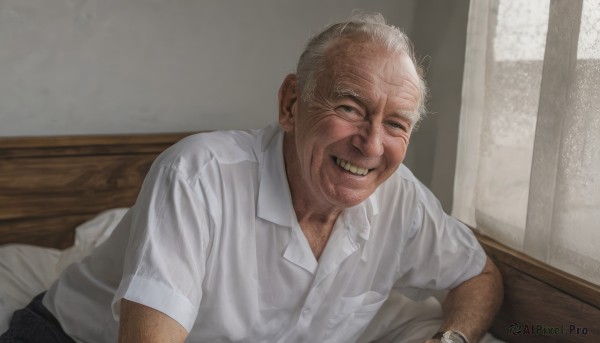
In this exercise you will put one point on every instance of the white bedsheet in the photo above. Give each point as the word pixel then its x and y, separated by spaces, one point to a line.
pixel 26 271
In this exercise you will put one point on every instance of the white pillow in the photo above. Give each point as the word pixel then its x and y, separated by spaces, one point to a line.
pixel 27 270
pixel 24 272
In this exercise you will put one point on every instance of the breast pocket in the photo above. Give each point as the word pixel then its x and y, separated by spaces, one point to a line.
pixel 351 315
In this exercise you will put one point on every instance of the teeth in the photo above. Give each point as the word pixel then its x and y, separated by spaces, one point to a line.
pixel 350 167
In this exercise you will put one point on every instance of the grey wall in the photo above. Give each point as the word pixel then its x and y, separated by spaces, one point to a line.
pixel 127 66
pixel 124 66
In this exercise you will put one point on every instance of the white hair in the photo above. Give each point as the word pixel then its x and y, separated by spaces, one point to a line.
pixel 371 26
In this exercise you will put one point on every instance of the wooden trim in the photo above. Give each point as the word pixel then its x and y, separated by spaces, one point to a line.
pixel 538 296
pixel 44 147
pixel 83 140
pixel 535 312
pixel 570 284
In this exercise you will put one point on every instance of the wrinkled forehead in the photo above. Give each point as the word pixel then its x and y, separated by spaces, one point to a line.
pixel 350 53
pixel 355 45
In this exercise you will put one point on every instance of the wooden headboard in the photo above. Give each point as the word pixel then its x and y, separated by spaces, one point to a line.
pixel 49 185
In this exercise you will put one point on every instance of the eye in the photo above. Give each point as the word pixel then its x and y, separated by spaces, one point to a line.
pixel 350 110
pixel 347 109
pixel 397 125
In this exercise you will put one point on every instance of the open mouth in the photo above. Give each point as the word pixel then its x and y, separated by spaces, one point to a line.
pixel 356 170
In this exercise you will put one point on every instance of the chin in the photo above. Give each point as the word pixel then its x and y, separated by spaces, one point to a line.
pixel 351 198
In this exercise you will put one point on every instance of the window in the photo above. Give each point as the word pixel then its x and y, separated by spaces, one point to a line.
pixel 528 168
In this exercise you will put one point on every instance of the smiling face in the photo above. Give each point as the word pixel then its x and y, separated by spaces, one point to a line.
pixel 353 133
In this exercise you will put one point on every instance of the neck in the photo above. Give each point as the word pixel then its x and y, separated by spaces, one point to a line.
pixel 310 210
pixel 316 226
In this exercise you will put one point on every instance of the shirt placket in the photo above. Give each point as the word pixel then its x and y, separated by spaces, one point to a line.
pixel 342 246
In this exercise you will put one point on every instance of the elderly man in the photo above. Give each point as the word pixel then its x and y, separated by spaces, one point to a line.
pixel 294 233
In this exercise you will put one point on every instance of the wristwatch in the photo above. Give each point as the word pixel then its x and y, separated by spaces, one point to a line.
pixel 451 337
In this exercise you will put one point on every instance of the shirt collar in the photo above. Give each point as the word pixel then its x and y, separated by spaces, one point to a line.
pixel 358 219
pixel 274 198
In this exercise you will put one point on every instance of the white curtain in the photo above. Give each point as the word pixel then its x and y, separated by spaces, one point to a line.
pixel 528 164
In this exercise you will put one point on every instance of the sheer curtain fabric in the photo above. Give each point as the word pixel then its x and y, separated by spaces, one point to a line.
pixel 528 164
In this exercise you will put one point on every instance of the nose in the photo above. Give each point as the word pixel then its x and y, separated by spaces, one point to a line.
pixel 370 140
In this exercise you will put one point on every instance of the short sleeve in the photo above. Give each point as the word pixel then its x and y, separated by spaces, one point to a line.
pixel 440 252
pixel 165 260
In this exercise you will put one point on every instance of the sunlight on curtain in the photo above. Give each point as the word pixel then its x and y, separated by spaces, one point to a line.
pixel 576 239
pixel 528 164
pixel 512 90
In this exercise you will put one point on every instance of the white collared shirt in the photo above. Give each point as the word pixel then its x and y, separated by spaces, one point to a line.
pixel 214 243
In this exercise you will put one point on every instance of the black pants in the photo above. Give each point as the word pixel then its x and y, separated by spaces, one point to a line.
pixel 35 324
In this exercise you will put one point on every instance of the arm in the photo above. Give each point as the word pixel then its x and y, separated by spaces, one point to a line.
pixel 140 323
pixel 471 306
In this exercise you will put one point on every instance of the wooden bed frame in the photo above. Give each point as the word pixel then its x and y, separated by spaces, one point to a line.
pixel 49 185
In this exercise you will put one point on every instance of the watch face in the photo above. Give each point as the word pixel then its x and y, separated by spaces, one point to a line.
pixel 452 337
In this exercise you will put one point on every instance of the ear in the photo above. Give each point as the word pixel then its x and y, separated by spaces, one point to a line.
pixel 288 99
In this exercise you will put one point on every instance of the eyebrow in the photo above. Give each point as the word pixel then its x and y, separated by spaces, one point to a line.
pixel 343 92
pixel 411 116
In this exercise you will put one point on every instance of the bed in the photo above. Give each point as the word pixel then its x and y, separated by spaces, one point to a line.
pixel 49 186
